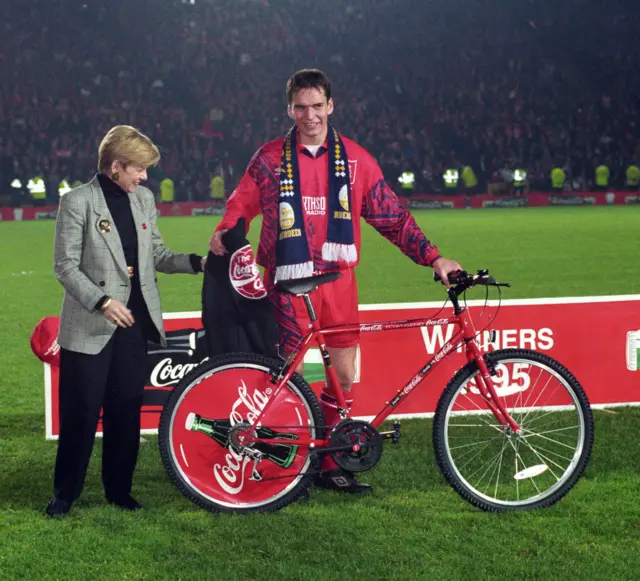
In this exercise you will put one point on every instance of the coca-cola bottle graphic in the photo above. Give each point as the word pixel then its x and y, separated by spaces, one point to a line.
pixel 280 454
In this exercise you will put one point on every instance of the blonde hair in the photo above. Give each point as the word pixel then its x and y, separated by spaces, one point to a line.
pixel 127 145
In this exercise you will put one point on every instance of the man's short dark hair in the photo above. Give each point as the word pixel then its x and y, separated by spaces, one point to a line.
pixel 308 79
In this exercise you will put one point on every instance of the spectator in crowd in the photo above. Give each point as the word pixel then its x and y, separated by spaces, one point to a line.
pixel 502 85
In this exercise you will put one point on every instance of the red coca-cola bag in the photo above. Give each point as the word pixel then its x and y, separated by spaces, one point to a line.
pixel 44 340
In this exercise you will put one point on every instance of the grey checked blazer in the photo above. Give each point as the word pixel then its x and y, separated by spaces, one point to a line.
pixel 90 264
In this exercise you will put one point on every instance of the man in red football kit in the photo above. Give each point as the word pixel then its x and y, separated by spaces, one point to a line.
pixel 312 186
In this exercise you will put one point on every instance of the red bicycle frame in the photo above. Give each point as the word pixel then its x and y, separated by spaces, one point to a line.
pixel 463 332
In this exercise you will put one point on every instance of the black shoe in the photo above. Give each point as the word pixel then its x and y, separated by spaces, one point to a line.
pixel 341 481
pixel 58 507
pixel 126 502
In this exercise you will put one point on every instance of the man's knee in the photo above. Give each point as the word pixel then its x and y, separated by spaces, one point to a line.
pixel 344 363
pixel 345 374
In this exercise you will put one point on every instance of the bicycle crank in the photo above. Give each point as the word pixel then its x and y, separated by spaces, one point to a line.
pixel 361 445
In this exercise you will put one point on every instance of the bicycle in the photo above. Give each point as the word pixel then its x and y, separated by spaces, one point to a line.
pixel 513 428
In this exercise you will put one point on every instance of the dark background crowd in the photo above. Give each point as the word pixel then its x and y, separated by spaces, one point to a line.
pixel 422 84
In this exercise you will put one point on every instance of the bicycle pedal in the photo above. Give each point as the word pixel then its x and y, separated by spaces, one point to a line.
pixel 394 434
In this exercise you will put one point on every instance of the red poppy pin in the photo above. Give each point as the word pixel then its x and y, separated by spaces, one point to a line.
pixel 144 226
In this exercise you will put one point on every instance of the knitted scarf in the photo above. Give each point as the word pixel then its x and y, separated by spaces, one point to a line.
pixel 293 256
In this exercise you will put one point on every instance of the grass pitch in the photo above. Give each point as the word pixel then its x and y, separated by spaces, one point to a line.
pixel 413 526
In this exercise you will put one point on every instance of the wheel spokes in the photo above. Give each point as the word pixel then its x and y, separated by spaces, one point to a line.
pixel 511 468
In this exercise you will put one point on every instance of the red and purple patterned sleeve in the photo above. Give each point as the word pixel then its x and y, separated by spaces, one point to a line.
pixel 244 202
pixel 382 210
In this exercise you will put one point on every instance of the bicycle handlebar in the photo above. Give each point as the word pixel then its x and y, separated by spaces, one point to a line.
pixel 462 280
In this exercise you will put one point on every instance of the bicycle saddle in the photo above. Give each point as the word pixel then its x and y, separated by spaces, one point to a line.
pixel 301 286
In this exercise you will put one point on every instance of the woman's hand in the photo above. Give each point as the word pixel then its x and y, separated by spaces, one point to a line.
pixel 114 311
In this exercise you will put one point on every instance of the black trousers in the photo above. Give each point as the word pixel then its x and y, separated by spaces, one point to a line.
pixel 113 380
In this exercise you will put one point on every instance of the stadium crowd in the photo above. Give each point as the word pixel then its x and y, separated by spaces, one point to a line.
pixel 424 86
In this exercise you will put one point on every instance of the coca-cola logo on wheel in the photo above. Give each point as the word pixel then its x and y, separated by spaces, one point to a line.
pixel 244 274
pixel 202 428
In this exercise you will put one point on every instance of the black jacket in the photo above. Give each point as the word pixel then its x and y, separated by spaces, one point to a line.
pixel 236 312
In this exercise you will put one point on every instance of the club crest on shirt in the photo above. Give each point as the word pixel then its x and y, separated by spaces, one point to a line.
pixel 353 166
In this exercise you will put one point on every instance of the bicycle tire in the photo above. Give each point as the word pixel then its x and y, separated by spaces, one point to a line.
pixel 195 462
pixel 460 414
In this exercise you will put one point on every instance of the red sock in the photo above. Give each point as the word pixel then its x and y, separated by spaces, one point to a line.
pixel 329 407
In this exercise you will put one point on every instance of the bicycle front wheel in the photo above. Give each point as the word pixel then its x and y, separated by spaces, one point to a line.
pixel 494 468
pixel 196 433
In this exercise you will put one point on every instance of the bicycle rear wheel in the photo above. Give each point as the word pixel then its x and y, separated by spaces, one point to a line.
pixel 200 415
pixel 495 469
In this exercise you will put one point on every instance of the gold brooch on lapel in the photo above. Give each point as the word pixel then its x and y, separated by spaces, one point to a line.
pixel 104 225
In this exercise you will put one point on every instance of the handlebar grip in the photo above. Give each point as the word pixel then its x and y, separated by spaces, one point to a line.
pixel 454 277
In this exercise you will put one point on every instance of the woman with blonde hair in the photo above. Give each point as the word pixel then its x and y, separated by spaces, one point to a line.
pixel 107 251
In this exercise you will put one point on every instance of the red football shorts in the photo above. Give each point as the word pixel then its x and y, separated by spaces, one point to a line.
pixel 335 303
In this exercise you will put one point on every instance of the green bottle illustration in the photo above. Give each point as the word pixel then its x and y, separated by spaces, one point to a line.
pixel 281 454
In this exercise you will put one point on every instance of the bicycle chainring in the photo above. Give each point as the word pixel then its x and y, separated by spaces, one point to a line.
pixel 365 442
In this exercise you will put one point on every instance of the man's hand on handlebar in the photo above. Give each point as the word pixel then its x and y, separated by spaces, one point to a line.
pixel 463 280
pixel 443 267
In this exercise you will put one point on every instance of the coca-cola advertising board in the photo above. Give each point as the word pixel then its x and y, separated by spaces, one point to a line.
pixel 596 338
pixel 415 201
